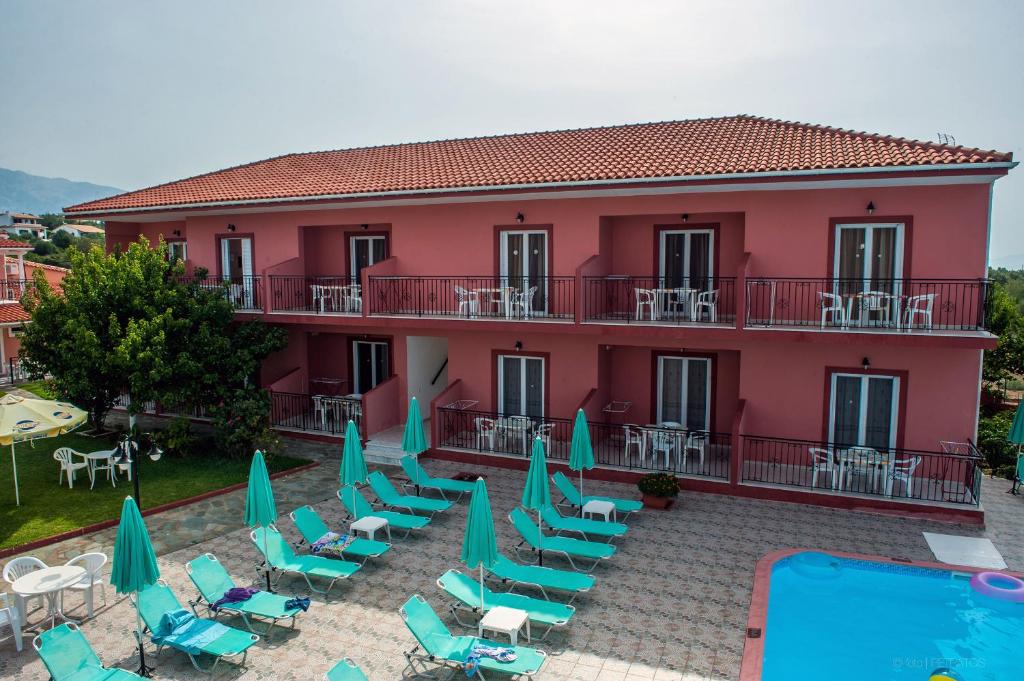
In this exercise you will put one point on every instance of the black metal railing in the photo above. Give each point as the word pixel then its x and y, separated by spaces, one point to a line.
pixel 697 453
pixel 314 413
pixel 628 299
pixel 12 290
pixel 837 469
pixel 14 372
pixel 315 294
pixel 896 305
pixel 244 292
pixel 483 297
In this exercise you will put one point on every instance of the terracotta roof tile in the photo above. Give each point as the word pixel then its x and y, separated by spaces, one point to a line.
pixel 711 146
pixel 12 243
pixel 12 313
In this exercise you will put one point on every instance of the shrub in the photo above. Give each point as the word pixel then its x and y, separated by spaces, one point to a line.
pixel 1000 454
pixel 241 425
pixel 659 485
pixel 177 438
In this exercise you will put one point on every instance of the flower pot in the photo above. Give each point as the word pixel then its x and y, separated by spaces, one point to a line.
pixel 660 503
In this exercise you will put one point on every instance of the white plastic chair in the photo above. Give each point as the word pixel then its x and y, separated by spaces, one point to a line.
pixel 823 461
pixel 634 437
pixel 902 471
pixel 102 465
pixel 93 577
pixel 66 457
pixel 707 301
pixel 919 306
pixel 832 306
pixel 543 431
pixel 695 441
pixel 469 302
pixel 646 298
pixel 19 567
pixel 662 442
pixel 523 302
pixel 9 617
pixel 517 429
pixel 485 432
pixel 353 296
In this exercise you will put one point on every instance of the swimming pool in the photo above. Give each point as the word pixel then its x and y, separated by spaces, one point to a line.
pixel 832 618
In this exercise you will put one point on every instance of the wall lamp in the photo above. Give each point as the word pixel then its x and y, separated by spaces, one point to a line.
pixel 519 345
pixel 871 207
pixel 231 228
pixel 177 232
pixel 365 226
pixel 686 217
pixel 866 363
pixel 520 218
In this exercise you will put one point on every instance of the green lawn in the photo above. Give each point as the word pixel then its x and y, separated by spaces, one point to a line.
pixel 47 509
pixel 39 388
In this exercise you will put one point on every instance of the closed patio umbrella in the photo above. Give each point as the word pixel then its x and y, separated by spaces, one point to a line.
pixel 581 452
pixel 479 546
pixel 414 442
pixel 1016 436
pixel 24 419
pixel 537 492
pixel 353 465
pixel 260 510
pixel 134 566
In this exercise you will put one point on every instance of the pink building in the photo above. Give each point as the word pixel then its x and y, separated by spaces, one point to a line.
pixel 761 307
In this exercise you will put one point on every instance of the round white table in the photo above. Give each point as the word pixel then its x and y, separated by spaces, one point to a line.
pixel 49 582
pixel 92 458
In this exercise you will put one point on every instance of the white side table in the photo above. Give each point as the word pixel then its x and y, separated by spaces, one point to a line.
pixel 369 525
pixel 601 508
pixel 49 582
pixel 506 621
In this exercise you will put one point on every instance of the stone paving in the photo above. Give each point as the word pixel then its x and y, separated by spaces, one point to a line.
pixel 672 604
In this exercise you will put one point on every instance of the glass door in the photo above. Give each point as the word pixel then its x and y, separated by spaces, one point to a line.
pixel 524 267
pixel 684 392
pixel 236 269
pixel 686 258
pixel 868 257
pixel 864 411
pixel 521 386
pixel 370 365
pixel 363 252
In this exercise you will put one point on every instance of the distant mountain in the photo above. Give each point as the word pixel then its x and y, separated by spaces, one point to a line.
pixel 26 193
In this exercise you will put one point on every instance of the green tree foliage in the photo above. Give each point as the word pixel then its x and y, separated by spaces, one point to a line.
pixel 1005 321
pixel 129 322
pixel 1012 282
pixel 51 220
pixel 61 239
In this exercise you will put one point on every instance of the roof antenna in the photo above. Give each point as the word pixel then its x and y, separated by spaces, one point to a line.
pixel 946 138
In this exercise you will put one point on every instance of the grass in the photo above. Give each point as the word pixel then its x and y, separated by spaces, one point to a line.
pixel 41 389
pixel 48 509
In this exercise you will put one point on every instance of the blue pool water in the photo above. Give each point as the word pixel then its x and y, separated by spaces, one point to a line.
pixel 839 619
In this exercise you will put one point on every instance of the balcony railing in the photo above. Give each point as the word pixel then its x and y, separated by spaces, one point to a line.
pixel 314 413
pixel 12 290
pixel 895 473
pixel 315 295
pixel 695 453
pixel 244 292
pixel 887 305
pixel 483 297
pixel 632 300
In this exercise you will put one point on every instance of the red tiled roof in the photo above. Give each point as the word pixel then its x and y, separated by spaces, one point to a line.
pixel 711 146
pixel 11 243
pixel 12 313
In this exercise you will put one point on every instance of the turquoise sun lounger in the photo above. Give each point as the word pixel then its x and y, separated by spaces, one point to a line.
pixel 571 497
pixel 466 592
pixel 202 636
pixel 282 559
pixel 361 508
pixel 565 546
pixel 595 528
pixel 345 670
pixel 441 648
pixel 68 656
pixel 419 476
pixel 311 526
pixel 212 580
pixel 544 578
pixel 390 497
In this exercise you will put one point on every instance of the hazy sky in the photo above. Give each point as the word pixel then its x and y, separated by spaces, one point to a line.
pixel 131 93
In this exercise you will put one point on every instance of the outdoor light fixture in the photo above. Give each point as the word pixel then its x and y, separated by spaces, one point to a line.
pixel 127 452
pixel 177 232
pixel 686 217
pixel 365 226
pixel 520 218
pixel 865 363
pixel 871 207
pixel 231 228
pixel 519 345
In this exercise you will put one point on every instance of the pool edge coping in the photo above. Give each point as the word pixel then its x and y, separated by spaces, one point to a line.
pixel 752 660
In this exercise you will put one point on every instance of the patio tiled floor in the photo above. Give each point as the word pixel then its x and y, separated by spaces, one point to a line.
pixel 671 605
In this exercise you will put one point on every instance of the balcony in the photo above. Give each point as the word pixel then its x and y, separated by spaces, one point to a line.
pixel 656 300
pixel 245 292
pixel 496 298
pixel 13 290
pixel 322 414
pixel 318 295
pixel 879 306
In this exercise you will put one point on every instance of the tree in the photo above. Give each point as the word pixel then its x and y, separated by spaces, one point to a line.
pixel 130 323
pixel 1006 322
pixel 61 239
pixel 51 220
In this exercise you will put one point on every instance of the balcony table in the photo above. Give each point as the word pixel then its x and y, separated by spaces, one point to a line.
pixel 866 459
pixel 49 582
pixel 683 296
pixel 858 301
pixel 496 299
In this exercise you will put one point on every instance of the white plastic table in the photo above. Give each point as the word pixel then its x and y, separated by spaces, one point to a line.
pixel 369 525
pixel 49 582
pixel 506 621
pixel 91 458
pixel 497 300
pixel 601 508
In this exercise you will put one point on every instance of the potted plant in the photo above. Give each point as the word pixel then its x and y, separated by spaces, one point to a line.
pixel 659 490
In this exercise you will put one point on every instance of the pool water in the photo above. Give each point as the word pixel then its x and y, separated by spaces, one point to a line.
pixel 841 619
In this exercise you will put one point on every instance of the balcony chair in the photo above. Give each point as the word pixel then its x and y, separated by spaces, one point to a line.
pixel 321 295
pixel 823 461
pixel 68 466
pixel 522 301
pixel 19 567
pixel 646 298
pixel 93 578
pixel 516 429
pixel 9 617
pixel 919 306
pixel 485 431
pixel 662 442
pixel 707 301
pixel 634 438
pixel 832 310
pixel 902 471
pixel 469 302
pixel 543 431
pixel 353 295
pixel 696 441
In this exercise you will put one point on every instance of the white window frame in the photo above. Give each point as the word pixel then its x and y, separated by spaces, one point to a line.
pixel 686 250
pixel 894 416
pixel 684 398
pixel 522 388
pixel 375 348
pixel 369 238
pixel 178 244
pixel 247 264
pixel 526 234
pixel 869 231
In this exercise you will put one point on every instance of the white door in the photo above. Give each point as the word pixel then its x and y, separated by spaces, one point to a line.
pixel 521 386
pixel 370 365
pixel 864 411
pixel 524 265
pixel 868 257
pixel 684 391
pixel 686 259
pixel 363 252
pixel 236 268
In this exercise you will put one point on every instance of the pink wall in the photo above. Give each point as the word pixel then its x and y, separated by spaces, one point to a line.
pixel 633 243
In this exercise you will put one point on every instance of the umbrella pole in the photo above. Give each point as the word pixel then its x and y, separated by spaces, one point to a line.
pixel 416 458
pixel 481 588
pixel 143 669
pixel 582 499
pixel 14 466
pixel 266 556
pixel 540 540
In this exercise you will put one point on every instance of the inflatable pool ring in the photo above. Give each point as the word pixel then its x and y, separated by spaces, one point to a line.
pixel 943 674
pixel 998 585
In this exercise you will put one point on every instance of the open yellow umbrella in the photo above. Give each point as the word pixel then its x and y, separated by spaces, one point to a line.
pixel 23 419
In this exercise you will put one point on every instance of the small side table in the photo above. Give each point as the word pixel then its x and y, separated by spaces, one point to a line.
pixel 506 621
pixel 601 508
pixel 369 525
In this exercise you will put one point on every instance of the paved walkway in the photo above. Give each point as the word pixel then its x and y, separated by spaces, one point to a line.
pixel 671 605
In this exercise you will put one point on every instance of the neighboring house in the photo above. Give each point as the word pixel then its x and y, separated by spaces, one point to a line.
pixel 79 230
pixel 15 281
pixel 15 224
pixel 763 308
